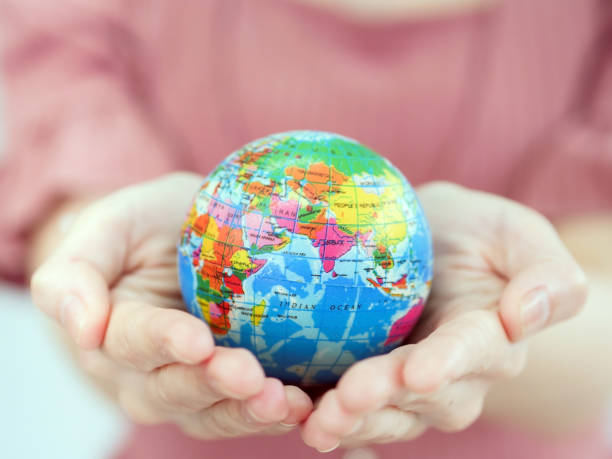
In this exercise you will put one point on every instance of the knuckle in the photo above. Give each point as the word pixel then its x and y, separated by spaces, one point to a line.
pixel 125 341
pixel 160 388
pixel 228 421
pixel 410 400
pixel 120 348
pixel 162 392
pixel 157 341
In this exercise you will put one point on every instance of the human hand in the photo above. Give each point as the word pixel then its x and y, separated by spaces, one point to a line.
pixel 500 274
pixel 112 283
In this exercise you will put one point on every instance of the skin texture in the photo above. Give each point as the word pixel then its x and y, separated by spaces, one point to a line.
pixel 121 305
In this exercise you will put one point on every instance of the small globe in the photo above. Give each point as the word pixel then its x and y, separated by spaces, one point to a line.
pixel 308 249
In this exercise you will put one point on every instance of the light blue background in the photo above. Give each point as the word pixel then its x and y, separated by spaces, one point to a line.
pixel 48 410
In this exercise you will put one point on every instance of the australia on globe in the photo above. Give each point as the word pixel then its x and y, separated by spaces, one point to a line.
pixel 310 250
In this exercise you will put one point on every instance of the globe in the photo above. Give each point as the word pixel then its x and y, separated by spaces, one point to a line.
pixel 310 250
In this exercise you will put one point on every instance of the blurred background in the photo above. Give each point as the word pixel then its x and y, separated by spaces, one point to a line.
pixel 39 381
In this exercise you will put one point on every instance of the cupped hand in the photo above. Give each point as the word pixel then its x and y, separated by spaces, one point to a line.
pixel 500 274
pixel 112 284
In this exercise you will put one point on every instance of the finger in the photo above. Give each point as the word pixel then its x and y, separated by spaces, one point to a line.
pixel 300 407
pixel 369 384
pixel 146 337
pixel 318 436
pixel 331 417
pixel 229 373
pixel 134 403
pixel 76 295
pixel 386 426
pixel 381 426
pixel 329 423
pixel 471 343
pixel 123 385
pixel 454 408
pixel 232 418
pixel 546 284
pixel 72 286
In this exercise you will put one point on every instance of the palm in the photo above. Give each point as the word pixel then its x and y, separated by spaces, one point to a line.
pixel 119 261
pixel 149 230
pixel 471 270
pixel 493 260
pixel 491 253
pixel 150 274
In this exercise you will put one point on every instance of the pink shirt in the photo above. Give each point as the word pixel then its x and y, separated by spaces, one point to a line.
pixel 515 99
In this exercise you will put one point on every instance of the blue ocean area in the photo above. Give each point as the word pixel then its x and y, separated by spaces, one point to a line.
pixel 188 284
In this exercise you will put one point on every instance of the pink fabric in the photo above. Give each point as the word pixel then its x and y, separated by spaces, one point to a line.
pixel 479 441
pixel 515 99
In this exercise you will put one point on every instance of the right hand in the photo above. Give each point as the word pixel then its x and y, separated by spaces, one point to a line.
pixel 112 284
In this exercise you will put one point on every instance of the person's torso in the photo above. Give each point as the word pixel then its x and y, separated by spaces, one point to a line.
pixel 458 98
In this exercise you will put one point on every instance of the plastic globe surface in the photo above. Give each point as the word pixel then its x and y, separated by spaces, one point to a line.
pixel 308 249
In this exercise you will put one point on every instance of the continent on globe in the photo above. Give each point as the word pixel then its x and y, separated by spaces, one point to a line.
pixel 310 250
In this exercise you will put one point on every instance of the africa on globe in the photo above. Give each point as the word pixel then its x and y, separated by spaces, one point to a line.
pixel 310 250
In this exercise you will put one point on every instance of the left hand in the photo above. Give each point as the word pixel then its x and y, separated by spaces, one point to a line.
pixel 500 274
pixel 113 285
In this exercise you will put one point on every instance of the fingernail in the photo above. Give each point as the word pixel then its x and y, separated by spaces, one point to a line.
pixel 72 316
pixel 330 449
pixel 289 425
pixel 535 311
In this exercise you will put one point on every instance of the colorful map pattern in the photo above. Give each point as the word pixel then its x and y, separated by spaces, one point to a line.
pixel 308 249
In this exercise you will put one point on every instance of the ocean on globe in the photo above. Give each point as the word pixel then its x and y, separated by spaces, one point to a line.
pixel 310 250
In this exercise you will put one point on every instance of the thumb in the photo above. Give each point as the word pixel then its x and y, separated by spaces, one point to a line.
pixel 72 286
pixel 546 284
